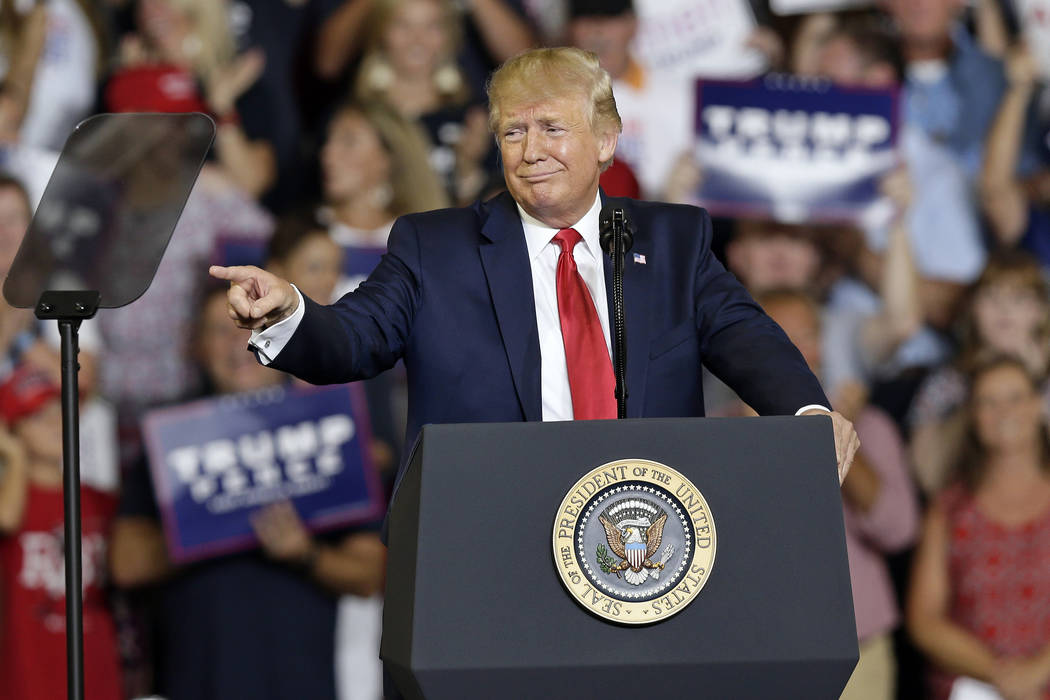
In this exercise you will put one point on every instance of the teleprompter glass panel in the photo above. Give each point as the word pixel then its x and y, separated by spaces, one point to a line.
pixel 110 207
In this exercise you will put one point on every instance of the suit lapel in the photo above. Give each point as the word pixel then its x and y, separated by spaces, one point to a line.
pixel 505 258
pixel 636 284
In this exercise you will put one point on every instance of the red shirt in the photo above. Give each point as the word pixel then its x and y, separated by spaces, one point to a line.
pixel 33 601
pixel 1000 582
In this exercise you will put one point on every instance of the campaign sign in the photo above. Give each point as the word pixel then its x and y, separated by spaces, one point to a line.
pixel 215 462
pixel 358 263
pixel 232 250
pixel 795 149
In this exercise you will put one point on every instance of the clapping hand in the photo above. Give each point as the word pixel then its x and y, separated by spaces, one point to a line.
pixel 282 533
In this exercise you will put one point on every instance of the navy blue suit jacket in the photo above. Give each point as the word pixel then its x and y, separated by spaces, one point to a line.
pixel 453 297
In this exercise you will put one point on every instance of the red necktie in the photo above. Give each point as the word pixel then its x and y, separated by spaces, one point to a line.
pixel 591 380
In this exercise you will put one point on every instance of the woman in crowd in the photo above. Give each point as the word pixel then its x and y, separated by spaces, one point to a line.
pixel 374 168
pixel 410 66
pixel 1008 313
pixel 979 603
pixel 182 59
pixel 257 624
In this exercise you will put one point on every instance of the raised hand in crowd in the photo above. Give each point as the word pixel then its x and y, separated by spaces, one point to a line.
pixel 770 44
pixel 474 144
pixel 684 180
pixel 21 51
pixel 232 80
pixel 901 314
pixel 1003 195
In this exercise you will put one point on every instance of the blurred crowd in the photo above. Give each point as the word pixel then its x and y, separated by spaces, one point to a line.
pixel 930 329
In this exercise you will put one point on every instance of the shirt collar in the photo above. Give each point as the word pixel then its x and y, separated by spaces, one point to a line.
pixel 538 234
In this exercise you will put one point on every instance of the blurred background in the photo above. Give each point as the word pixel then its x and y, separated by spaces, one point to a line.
pixel 879 174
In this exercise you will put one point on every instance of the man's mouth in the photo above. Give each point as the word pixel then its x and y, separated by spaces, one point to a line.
pixel 538 177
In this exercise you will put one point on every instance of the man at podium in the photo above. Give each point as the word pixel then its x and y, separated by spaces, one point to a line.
pixel 500 309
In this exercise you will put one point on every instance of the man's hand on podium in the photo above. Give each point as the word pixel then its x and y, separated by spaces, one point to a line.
pixel 846 440
pixel 257 299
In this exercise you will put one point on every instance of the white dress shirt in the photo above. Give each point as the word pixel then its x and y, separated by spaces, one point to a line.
pixel 543 259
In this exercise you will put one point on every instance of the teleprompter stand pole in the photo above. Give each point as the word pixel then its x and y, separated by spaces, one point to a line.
pixel 69 309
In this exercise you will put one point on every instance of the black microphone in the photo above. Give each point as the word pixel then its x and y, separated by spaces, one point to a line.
pixel 610 218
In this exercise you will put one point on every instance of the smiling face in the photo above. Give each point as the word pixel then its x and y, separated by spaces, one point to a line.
pixel 353 158
pixel 416 39
pixel 1006 409
pixel 552 157
pixel 1009 316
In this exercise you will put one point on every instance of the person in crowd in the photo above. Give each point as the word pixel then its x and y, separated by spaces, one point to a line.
pixel 256 624
pixel 880 508
pixel 24 340
pixel 933 214
pixel 410 66
pixel 32 578
pixel 295 89
pixel 1016 205
pixel 374 168
pixel 449 308
pixel 1008 313
pixel 304 253
pixel 979 600
pixel 492 32
pixel 182 58
pixel 952 87
pixel 656 111
pixel 767 255
pixel 51 54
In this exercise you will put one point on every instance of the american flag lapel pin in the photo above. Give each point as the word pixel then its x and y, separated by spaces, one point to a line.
pixel 639 259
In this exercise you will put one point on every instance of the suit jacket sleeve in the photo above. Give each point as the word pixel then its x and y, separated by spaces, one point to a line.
pixel 367 330
pixel 743 346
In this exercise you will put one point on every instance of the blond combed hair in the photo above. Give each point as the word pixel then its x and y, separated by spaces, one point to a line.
pixel 538 75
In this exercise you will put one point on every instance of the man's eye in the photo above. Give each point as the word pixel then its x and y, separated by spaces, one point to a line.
pixel 554 129
pixel 512 134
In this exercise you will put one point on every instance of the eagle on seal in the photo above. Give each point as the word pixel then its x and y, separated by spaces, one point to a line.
pixel 635 541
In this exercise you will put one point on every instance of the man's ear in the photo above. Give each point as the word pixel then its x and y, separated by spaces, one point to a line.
pixel 607 145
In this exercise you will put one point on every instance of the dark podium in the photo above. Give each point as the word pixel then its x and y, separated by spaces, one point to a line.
pixel 475 607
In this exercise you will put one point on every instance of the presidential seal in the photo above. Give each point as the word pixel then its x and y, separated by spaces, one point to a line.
pixel 634 541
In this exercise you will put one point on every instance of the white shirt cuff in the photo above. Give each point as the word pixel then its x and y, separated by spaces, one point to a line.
pixel 269 343
pixel 802 410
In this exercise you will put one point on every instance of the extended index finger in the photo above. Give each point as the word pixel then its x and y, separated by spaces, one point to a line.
pixel 234 273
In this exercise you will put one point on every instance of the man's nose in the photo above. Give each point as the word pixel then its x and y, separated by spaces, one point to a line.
pixel 533 149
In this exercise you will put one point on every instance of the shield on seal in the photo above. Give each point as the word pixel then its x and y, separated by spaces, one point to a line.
pixel 635 554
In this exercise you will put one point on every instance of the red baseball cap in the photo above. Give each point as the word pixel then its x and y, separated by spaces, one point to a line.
pixel 24 392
